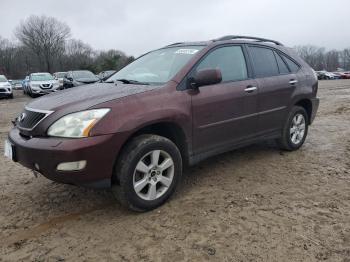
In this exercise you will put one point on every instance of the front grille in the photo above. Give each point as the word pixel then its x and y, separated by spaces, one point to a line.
pixel 46 86
pixel 2 90
pixel 29 119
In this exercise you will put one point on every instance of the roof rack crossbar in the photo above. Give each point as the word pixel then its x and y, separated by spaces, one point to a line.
pixel 258 39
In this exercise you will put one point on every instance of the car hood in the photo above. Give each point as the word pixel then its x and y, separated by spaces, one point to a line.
pixel 5 84
pixel 44 82
pixel 84 97
pixel 87 80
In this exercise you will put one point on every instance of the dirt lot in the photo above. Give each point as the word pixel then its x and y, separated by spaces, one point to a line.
pixel 254 204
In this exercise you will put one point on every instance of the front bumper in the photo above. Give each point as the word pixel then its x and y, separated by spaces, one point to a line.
pixel 315 104
pixel 44 154
pixel 43 91
pixel 6 93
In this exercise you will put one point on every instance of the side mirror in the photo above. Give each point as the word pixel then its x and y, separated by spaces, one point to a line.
pixel 206 77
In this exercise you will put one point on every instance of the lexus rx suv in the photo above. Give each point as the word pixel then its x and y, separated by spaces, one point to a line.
pixel 170 108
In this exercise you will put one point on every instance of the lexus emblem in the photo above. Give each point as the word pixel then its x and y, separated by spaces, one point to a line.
pixel 21 117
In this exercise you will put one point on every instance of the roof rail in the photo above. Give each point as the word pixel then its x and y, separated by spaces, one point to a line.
pixel 258 39
pixel 175 44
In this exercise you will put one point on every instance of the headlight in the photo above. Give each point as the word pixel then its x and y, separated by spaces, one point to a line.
pixel 77 124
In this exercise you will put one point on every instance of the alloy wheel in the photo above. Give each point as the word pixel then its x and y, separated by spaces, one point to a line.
pixel 153 175
pixel 297 129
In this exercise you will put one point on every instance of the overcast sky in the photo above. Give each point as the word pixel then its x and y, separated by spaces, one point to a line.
pixel 136 26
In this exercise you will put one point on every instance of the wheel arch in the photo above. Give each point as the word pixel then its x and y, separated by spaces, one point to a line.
pixel 170 130
pixel 307 105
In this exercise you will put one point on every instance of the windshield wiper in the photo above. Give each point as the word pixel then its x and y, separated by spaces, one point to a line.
pixel 130 81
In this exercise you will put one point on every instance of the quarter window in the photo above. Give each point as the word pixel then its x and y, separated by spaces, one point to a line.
pixel 264 61
pixel 281 65
pixel 292 65
pixel 230 60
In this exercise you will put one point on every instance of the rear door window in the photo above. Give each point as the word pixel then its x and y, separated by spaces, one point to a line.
pixel 230 60
pixel 264 61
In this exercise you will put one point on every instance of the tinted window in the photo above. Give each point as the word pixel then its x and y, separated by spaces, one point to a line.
pixel 292 65
pixel 230 60
pixel 281 65
pixel 264 62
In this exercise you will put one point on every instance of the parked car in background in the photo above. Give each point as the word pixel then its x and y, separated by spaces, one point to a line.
pixel 170 108
pixel 16 84
pixel 25 85
pixel 59 76
pixel 324 75
pixel 5 87
pixel 105 74
pixel 78 78
pixel 41 84
pixel 342 75
pixel 346 75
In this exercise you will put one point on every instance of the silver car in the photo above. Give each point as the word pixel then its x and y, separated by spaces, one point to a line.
pixel 42 83
pixel 5 87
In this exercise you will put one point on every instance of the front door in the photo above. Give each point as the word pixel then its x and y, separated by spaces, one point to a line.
pixel 224 113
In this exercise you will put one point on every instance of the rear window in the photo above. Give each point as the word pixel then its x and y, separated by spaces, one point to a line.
pixel 264 61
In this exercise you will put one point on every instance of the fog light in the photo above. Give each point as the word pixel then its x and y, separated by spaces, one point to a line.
pixel 72 166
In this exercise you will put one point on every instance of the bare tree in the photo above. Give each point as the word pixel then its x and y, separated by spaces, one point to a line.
pixel 313 55
pixel 78 55
pixel 45 36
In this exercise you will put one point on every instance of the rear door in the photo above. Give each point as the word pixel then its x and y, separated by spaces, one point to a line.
pixel 224 113
pixel 276 86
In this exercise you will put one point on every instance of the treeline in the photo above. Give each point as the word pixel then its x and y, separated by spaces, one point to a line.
pixel 43 44
pixel 321 59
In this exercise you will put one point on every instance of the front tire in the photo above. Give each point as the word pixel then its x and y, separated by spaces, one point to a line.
pixel 147 172
pixel 295 129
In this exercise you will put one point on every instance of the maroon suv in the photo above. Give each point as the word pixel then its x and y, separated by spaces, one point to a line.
pixel 172 107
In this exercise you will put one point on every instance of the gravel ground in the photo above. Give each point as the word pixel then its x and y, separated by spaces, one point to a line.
pixel 253 204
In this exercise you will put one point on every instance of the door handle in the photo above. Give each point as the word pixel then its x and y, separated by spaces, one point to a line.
pixel 250 89
pixel 293 82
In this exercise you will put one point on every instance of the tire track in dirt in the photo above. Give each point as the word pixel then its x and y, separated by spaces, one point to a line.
pixel 56 222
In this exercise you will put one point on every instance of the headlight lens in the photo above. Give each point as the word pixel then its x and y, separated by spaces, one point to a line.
pixel 77 124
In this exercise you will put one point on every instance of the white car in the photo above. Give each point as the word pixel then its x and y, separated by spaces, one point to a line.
pixel 59 76
pixel 41 84
pixel 5 87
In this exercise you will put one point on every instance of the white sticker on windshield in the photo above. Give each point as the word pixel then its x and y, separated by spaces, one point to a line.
pixel 186 51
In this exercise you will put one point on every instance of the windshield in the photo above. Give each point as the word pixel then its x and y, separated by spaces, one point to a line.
pixel 60 74
pixel 3 79
pixel 157 67
pixel 42 77
pixel 83 74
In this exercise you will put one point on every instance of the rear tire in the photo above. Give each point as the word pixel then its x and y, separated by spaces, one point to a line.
pixel 295 129
pixel 147 172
